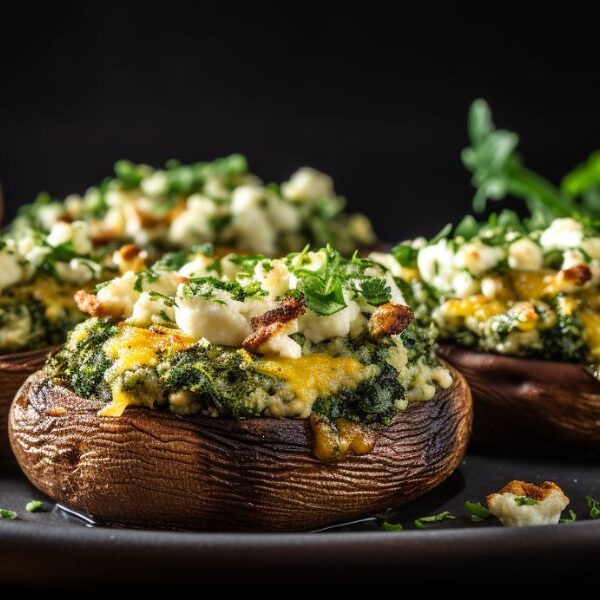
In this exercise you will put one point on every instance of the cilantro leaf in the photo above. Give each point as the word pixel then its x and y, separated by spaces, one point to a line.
pixel 376 291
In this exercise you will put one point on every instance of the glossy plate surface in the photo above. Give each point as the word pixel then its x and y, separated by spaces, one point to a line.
pixel 53 546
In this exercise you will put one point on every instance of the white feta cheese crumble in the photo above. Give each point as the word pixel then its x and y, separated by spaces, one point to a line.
pixel 520 504
pixel 77 233
pixel 525 255
pixel 478 258
pixel 562 234
pixel 11 271
pixel 308 184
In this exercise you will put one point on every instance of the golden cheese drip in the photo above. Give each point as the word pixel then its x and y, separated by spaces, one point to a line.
pixel 334 440
pixel 133 348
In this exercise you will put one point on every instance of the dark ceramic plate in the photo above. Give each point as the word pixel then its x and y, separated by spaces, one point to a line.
pixel 53 546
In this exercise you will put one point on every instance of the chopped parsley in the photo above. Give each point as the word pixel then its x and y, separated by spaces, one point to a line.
pixel 35 506
pixel 478 511
pixel 571 519
pixel 439 518
pixel 386 526
pixel 593 506
pixel 9 515
pixel 525 501
pixel 148 276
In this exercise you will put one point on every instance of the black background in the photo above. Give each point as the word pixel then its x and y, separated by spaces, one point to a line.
pixel 377 101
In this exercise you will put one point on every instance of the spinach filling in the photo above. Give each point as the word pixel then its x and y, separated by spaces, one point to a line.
pixel 223 380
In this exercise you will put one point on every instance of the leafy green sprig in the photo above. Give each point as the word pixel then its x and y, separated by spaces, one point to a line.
pixel 498 171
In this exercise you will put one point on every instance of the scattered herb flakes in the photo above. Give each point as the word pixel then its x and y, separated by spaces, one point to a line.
pixel 385 526
pixel 8 515
pixel 525 501
pixel 35 506
pixel 478 511
pixel 443 516
pixel 594 507
pixel 572 517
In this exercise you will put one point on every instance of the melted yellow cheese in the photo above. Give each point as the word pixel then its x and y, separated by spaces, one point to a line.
pixel 591 331
pixel 55 297
pixel 531 285
pixel 134 348
pixel 477 306
pixel 315 375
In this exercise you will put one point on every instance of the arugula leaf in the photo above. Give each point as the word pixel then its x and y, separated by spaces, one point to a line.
pixel 386 526
pixel 443 516
pixel 525 501
pixel 498 171
pixel 572 517
pixel 478 511
pixel 594 507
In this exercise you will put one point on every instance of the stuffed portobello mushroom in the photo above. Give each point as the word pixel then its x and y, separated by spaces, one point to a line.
pixel 217 202
pixel 53 247
pixel 39 275
pixel 516 301
pixel 242 392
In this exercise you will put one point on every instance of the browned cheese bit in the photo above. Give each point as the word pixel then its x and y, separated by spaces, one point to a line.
pixel 272 322
pixel 389 319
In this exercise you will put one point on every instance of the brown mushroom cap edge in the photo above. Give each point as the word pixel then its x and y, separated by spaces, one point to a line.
pixel 522 402
pixel 150 468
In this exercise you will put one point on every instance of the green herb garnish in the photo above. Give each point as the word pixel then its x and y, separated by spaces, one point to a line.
pixel 376 291
pixel 594 507
pixel 406 255
pixel 498 170
pixel 166 300
pixel 572 517
pixel 386 526
pixel 148 276
pixel 9 515
pixel 443 516
pixel 478 511
pixel 35 506
pixel 525 501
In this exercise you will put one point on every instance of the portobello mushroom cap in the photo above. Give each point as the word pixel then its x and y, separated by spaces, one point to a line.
pixel 150 468
pixel 14 370
pixel 522 403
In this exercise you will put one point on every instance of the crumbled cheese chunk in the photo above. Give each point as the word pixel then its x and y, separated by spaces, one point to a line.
pixel 520 504
pixel 77 233
pixel 221 324
pixel 308 184
pixel 525 255
pixel 478 258
pixel 11 271
pixel 562 234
